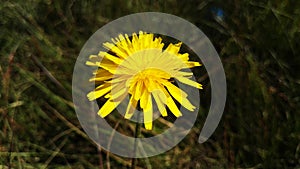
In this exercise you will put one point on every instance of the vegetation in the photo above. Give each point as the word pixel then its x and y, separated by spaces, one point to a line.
pixel 258 42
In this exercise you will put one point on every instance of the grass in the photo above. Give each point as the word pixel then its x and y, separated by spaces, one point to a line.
pixel 258 43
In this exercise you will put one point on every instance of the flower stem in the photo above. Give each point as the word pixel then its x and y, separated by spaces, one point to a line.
pixel 136 134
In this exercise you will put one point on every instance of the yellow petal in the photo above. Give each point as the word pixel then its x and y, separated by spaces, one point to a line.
pixel 187 74
pixel 135 42
pixel 130 108
pixel 189 82
pixel 151 86
pixel 110 57
pixel 99 92
pixel 91 57
pixel 132 84
pixel 108 45
pixel 183 57
pixel 107 108
pixel 138 90
pixel 190 64
pixel 170 102
pixel 187 104
pixel 125 44
pixel 110 67
pixel 99 77
pixel 158 43
pixel 101 72
pixel 174 49
pixel 172 106
pixel 118 91
pixel 168 61
pixel 115 49
pixel 131 63
pixel 107 96
pixel 179 95
pixel 144 98
pixel 118 79
pixel 160 105
pixel 174 90
pixel 158 73
pixel 148 114
pixel 89 63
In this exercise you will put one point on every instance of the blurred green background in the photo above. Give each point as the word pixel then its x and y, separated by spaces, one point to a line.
pixel 258 42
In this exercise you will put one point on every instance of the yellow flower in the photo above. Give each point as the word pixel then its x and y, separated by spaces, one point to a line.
pixel 141 69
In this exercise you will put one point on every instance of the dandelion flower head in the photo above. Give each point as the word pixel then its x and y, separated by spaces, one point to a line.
pixel 140 68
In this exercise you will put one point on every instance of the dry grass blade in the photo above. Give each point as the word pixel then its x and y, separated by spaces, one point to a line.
pixel 69 124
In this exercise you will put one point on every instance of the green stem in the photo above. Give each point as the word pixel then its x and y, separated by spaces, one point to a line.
pixel 136 134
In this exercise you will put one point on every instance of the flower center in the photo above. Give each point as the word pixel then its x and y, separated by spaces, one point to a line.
pixel 148 79
pixel 153 74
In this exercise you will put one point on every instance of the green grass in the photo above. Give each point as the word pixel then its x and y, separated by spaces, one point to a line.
pixel 258 43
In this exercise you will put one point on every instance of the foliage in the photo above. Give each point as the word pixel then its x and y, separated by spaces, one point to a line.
pixel 258 42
